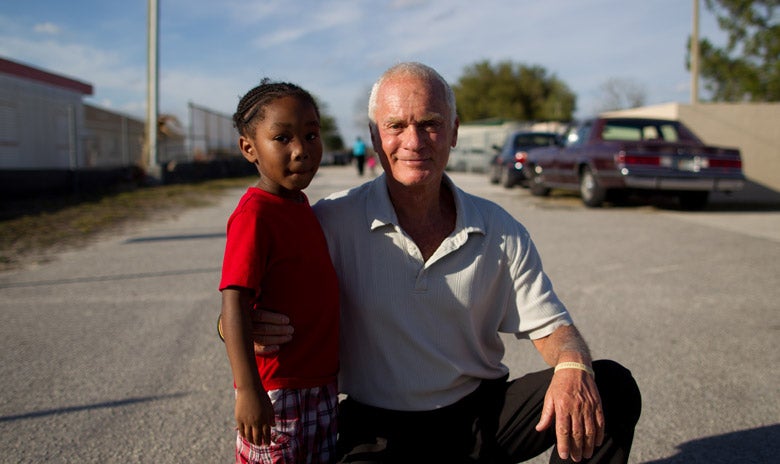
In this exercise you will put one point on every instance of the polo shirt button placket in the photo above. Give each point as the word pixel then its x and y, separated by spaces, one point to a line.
pixel 421 283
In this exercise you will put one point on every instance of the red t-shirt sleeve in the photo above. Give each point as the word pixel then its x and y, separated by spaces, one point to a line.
pixel 246 250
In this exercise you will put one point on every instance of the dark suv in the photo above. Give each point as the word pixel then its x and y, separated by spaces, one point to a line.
pixel 506 167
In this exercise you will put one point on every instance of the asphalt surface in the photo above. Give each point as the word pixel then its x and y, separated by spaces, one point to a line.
pixel 109 353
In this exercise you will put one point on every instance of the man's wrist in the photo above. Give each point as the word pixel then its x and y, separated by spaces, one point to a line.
pixel 575 365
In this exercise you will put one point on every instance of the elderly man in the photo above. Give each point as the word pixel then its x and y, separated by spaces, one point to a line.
pixel 429 276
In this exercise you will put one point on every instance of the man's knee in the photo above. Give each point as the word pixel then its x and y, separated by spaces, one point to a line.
pixel 619 392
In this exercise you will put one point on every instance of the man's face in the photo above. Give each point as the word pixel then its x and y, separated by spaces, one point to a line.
pixel 414 130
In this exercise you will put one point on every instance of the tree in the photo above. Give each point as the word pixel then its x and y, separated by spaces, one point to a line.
pixel 360 113
pixel 618 94
pixel 748 67
pixel 512 91
pixel 331 138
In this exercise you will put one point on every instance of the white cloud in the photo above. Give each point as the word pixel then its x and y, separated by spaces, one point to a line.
pixel 219 92
pixel 243 12
pixel 325 18
pixel 401 4
pixel 47 28
pixel 280 37
pixel 79 61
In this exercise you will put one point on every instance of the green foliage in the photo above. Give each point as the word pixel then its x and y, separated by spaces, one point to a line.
pixel 332 141
pixel 512 91
pixel 747 68
pixel 331 138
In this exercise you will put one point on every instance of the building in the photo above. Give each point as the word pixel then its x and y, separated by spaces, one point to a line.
pixel 53 142
pixel 41 126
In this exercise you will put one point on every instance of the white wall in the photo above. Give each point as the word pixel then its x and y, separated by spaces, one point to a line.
pixel 40 125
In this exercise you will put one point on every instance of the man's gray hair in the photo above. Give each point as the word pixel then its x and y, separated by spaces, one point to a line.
pixel 414 69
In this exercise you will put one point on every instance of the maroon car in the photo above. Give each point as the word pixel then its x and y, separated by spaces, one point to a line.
pixel 607 158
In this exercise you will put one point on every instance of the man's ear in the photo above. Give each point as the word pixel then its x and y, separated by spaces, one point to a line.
pixel 247 149
pixel 455 133
pixel 375 141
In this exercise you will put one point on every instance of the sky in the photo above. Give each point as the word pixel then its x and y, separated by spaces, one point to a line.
pixel 211 52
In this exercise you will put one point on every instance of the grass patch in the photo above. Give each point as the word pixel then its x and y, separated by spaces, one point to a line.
pixel 32 229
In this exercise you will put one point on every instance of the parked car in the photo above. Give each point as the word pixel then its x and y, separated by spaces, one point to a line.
pixel 611 157
pixel 506 167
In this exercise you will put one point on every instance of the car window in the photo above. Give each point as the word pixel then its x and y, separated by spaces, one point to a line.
pixel 533 140
pixel 635 131
pixel 670 133
pixel 621 132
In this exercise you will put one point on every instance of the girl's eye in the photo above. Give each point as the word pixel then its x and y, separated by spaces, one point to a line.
pixel 282 138
pixel 312 136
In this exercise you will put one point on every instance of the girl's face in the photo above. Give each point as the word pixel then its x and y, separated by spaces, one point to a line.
pixel 286 147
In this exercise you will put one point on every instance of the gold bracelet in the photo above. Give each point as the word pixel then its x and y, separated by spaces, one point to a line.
pixel 575 365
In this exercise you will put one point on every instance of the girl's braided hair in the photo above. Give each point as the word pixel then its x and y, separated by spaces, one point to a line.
pixel 251 107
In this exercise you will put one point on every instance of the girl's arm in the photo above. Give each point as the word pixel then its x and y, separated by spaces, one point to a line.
pixel 254 412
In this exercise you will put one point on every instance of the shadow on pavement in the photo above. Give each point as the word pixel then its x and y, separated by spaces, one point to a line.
pixel 163 238
pixel 107 278
pixel 88 407
pixel 758 446
pixel 753 197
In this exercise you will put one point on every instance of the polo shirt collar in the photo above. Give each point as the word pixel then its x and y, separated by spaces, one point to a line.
pixel 380 211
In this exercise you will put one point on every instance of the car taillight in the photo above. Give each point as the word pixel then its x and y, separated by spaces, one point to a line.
pixel 521 156
pixel 623 159
pixel 726 163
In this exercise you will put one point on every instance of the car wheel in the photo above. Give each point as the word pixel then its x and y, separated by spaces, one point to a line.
pixel 536 186
pixel 506 179
pixel 694 201
pixel 591 192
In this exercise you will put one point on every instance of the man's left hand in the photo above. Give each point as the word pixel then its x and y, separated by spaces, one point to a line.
pixel 573 402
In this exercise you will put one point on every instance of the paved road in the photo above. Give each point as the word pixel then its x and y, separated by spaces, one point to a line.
pixel 109 352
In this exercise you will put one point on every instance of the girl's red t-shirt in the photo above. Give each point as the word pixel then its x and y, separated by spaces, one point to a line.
pixel 276 247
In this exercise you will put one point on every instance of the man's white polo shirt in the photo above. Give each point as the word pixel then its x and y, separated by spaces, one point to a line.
pixel 420 335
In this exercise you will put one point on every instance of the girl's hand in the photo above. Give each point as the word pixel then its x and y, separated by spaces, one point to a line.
pixel 254 416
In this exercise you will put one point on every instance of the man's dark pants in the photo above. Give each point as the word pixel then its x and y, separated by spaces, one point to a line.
pixel 495 424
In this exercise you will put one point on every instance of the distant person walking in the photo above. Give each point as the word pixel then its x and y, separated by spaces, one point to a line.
pixel 359 153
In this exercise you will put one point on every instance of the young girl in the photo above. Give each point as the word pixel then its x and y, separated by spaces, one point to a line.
pixel 276 257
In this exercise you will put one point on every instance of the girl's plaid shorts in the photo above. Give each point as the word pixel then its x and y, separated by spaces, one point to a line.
pixel 305 430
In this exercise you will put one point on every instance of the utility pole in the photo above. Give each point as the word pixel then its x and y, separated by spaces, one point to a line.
pixel 695 55
pixel 153 168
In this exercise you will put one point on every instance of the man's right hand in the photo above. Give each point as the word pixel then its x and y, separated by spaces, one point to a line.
pixel 269 330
